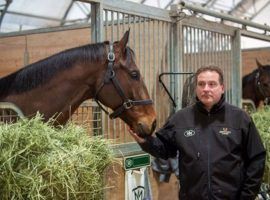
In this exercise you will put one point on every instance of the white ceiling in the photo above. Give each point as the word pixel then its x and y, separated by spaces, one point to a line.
pixel 19 15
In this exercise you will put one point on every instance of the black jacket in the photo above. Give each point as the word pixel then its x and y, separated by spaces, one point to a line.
pixel 221 156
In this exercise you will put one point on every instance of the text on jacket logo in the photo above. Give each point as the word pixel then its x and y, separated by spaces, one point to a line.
pixel 189 133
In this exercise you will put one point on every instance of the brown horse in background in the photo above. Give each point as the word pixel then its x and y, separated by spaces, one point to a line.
pixel 57 85
pixel 256 85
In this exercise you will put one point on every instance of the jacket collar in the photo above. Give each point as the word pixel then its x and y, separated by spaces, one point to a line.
pixel 216 108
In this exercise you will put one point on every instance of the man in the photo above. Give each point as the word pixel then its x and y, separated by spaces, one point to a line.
pixel 221 156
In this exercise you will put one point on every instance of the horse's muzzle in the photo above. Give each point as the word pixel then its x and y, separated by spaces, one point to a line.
pixel 145 130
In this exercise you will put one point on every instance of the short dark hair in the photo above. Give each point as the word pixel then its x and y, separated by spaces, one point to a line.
pixel 210 68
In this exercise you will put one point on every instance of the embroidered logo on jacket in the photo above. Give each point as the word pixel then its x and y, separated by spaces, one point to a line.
pixel 189 133
pixel 225 131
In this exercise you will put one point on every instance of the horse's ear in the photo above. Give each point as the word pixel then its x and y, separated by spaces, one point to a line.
pixel 258 63
pixel 123 42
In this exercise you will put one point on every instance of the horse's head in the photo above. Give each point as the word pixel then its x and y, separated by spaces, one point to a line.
pixel 124 91
pixel 263 81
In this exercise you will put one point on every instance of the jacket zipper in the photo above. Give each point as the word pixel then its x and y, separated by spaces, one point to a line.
pixel 208 162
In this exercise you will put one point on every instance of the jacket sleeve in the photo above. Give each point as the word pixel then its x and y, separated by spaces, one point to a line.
pixel 163 145
pixel 254 161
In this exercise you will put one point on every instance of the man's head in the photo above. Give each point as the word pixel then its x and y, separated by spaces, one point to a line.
pixel 209 85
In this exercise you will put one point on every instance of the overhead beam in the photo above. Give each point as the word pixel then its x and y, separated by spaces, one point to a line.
pixel 168 4
pixel 223 16
pixel 66 13
pixel 209 3
pixel 8 2
pixel 243 6
pixel 260 10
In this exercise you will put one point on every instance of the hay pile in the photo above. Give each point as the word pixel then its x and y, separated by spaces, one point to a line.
pixel 262 120
pixel 38 161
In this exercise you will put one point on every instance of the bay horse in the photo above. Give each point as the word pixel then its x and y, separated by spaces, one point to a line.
pixel 106 72
pixel 256 85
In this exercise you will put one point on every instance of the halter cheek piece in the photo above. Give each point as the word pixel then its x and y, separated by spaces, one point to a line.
pixel 110 77
pixel 261 90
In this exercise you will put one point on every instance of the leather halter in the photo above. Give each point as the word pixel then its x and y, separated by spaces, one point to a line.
pixel 261 89
pixel 110 77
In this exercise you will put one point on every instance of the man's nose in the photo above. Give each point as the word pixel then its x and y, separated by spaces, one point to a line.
pixel 206 87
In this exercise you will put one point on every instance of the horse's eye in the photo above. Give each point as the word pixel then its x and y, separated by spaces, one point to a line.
pixel 135 75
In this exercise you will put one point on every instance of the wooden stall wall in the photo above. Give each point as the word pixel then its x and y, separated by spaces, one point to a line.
pixel 18 51
pixel 249 57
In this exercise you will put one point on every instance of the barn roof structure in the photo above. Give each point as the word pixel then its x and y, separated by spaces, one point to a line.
pixel 21 15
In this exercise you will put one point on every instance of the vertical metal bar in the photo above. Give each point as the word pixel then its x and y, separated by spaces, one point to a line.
pixel 112 26
pixel 192 49
pixel 203 47
pixel 140 43
pixel 184 48
pixel 200 50
pixel 196 47
pixel 124 23
pixel 194 42
pixel 144 47
pixel 106 24
pixel 237 68
pixel 187 48
pixel 178 56
pixel 157 67
pixel 134 32
pixel 113 122
pixel 97 35
pixel 108 122
pixel 199 45
pixel 96 22
pixel 230 66
pixel 149 55
pixel 118 121
pixel 155 46
pixel 170 53
pixel 219 62
pixel 212 47
pixel 216 48
pixel 183 58
pixel 118 26
pixel 208 48
pixel 228 63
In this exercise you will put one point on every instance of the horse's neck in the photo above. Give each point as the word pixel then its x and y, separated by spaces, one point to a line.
pixel 250 91
pixel 79 87
pixel 62 94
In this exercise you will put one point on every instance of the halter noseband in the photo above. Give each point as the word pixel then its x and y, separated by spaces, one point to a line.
pixel 261 90
pixel 110 77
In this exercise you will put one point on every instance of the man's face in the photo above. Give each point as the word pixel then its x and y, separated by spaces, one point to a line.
pixel 208 88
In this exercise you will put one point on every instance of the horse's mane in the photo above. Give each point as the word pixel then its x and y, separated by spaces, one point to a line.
pixel 40 72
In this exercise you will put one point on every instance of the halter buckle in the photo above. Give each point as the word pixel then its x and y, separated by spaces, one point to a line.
pixel 112 74
pixel 111 56
pixel 128 104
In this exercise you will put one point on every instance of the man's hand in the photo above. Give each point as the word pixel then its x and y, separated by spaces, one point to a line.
pixel 136 137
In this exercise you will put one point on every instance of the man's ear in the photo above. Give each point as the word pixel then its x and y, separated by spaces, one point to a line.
pixel 223 88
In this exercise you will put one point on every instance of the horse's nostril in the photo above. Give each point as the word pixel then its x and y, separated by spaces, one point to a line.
pixel 154 124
